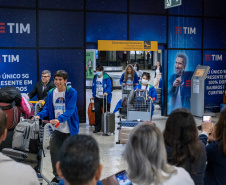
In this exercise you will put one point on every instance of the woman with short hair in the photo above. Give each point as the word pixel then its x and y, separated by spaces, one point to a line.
pixel 145 154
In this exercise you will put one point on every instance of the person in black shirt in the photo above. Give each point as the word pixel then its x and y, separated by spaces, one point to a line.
pixel 42 87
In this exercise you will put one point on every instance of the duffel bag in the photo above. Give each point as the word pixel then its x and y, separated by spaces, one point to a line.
pixel 13 114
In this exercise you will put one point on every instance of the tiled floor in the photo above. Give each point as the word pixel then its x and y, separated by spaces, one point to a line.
pixel 110 152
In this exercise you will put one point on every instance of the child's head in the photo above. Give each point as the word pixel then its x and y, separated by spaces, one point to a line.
pixel 99 68
pixel 61 73
pixel 136 66
pixel 129 69
pixel 146 76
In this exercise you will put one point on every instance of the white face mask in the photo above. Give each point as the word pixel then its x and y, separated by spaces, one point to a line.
pixel 143 81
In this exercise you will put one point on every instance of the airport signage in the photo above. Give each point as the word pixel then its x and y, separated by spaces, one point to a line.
pixel 172 3
pixel 124 45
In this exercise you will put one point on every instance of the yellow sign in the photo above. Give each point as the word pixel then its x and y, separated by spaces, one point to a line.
pixel 124 45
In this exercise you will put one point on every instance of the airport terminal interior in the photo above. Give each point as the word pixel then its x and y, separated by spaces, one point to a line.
pixel 187 38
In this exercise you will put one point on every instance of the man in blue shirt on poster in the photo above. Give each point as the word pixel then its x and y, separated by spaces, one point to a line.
pixel 180 84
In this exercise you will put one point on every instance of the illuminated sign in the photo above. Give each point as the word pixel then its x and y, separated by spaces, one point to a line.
pixel 121 45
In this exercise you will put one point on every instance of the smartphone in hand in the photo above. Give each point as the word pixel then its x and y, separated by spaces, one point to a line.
pixel 206 118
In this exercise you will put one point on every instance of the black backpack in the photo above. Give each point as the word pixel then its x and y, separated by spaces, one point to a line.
pixel 111 83
pixel 10 95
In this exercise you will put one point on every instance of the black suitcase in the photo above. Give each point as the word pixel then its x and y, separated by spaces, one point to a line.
pixel 21 156
pixel 107 121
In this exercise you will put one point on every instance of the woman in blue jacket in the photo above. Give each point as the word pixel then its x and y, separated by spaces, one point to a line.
pixel 129 77
pixel 151 90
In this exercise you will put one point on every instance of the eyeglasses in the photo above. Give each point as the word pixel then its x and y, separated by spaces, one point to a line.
pixel 45 76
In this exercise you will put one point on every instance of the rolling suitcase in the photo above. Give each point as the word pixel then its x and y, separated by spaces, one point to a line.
pixel 91 113
pixel 124 133
pixel 124 130
pixel 107 121
pixel 21 156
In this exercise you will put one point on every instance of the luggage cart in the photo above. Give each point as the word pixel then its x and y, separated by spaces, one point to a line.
pixel 45 131
pixel 126 90
pixel 139 111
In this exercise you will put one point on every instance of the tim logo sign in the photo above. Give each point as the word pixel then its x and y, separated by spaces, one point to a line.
pixel 9 58
pixel 213 57
pixel 185 30
pixel 15 28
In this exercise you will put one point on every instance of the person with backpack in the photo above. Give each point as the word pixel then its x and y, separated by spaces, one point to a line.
pixel 61 108
pixel 101 91
pixel 152 95
pixel 12 172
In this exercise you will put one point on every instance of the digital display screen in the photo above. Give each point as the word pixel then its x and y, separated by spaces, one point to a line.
pixel 199 72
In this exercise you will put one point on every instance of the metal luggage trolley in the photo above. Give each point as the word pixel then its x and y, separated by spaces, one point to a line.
pixel 126 89
pixel 139 111
pixel 45 134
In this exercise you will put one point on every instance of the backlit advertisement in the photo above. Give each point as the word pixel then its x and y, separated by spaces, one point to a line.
pixel 181 66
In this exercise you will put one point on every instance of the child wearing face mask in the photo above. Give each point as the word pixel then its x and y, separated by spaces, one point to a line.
pixel 101 91
pixel 151 90
pixel 137 70
pixel 129 76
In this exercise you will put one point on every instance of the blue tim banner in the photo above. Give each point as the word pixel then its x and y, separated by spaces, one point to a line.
pixel 17 28
pixel 185 32
pixel 18 68
pixel 71 61
pixel 181 66
pixel 216 78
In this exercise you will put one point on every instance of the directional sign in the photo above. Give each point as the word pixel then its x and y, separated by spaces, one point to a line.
pixel 172 3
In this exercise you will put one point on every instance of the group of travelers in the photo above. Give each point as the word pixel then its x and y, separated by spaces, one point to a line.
pixel 179 155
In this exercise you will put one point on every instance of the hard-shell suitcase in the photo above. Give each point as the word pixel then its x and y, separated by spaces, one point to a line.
pixel 124 130
pixel 21 156
pixel 124 133
pixel 129 123
pixel 91 113
pixel 107 121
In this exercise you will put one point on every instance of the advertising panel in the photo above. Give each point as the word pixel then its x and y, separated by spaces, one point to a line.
pixel 214 34
pixel 61 29
pixel 181 66
pixel 17 28
pixel 106 26
pixel 72 61
pixel 216 79
pixel 106 5
pixel 90 63
pixel 62 4
pixel 18 68
pixel 147 27
pixel 185 32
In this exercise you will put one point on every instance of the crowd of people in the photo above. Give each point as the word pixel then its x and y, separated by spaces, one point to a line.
pixel 178 155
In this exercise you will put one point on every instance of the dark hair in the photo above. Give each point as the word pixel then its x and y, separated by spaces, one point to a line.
pixel 3 122
pixel 126 73
pixel 181 135
pixel 184 57
pixel 99 68
pixel 147 75
pixel 79 159
pixel 61 73
pixel 220 129
pixel 135 63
